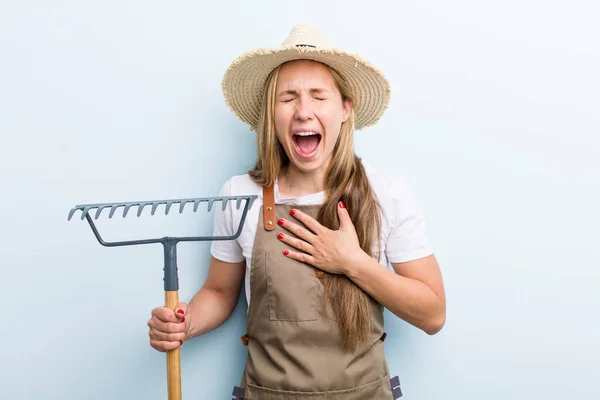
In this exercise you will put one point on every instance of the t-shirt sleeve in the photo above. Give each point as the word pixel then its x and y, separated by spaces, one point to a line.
pixel 408 239
pixel 225 250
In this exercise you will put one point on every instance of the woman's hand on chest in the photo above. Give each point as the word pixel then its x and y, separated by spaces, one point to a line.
pixel 332 251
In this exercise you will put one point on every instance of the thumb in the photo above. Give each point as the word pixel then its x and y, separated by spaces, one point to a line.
pixel 181 311
pixel 345 220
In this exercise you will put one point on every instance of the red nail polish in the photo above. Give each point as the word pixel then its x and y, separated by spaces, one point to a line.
pixel 179 311
pixel 182 319
pixel 292 212
pixel 342 204
pixel 286 252
pixel 180 342
pixel 280 222
pixel 280 236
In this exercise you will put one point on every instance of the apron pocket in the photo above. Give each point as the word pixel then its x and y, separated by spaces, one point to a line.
pixel 378 390
pixel 292 287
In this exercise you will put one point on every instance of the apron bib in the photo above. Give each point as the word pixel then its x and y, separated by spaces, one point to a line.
pixel 294 344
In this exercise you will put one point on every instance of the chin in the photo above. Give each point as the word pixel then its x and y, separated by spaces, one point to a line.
pixel 307 165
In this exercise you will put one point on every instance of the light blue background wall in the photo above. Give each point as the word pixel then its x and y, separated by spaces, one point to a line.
pixel 493 122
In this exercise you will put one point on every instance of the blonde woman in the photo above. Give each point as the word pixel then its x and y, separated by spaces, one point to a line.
pixel 329 243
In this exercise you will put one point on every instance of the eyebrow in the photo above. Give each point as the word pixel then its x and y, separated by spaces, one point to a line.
pixel 295 92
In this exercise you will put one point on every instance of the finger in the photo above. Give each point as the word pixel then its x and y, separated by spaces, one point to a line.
pixel 159 336
pixel 307 220
pixel 165 346
pixel 345 220
pixel 166 327
pixel 302 257
pixel 181 311
pixel 165 314
pixel 297 230
pixel 297 243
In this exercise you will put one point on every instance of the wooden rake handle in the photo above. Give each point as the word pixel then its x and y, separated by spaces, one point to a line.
pixel 173 359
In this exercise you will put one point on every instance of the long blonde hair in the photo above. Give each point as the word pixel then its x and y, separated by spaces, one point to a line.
pixel 345 180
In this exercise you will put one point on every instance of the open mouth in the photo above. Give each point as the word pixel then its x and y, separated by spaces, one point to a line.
pixel 306 143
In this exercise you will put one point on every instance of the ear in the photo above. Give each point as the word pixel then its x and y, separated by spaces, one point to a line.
pixel 346 107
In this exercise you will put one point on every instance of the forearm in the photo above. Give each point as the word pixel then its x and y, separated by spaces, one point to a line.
pixel 409 299
pixel 209 309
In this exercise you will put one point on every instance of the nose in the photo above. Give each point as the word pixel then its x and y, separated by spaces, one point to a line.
pixel 304 111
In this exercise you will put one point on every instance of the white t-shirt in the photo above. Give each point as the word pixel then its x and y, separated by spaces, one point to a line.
pixel 403 227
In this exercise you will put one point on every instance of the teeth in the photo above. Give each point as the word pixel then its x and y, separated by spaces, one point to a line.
pixel 308 133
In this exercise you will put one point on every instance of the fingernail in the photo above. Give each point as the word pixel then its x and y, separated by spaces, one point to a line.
pixel 180 342
pixel 179 311
pixel 292 212
pixel 342 204
pixel 182 319
pixel 280 236
pixel 286 252
pixel 280 222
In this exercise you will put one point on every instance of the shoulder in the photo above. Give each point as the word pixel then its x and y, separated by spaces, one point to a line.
pixel 240 185
pixel 388 186
pixel 404 228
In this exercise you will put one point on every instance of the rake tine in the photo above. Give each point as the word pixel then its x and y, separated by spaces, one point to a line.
pixel 169 204
pixel 71 212
pixel 210 204
pixel 141 208
pixel 127 207
pixel 155 206
pixel 113 209
pixel 182 205
pixel 237 204
pixel 224 203
pixel 196 204
pixel 99 211
pixel 85 211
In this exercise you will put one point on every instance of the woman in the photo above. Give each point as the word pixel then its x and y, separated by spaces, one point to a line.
pixel 315 247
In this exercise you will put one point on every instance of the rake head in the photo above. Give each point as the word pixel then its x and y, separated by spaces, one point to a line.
pixel 171 281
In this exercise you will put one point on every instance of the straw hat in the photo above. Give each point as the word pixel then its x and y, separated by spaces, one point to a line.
pixel 244 80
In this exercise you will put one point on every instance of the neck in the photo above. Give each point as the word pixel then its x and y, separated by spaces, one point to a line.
pixel 296 183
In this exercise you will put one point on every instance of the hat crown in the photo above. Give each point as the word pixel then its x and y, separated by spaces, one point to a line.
pixel 307 35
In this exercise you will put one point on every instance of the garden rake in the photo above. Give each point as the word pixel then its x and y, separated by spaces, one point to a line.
pixel 171 280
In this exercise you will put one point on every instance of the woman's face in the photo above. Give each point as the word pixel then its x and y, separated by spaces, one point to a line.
pixel 309 112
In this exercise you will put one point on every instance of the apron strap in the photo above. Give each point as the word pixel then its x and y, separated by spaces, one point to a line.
pixel 269 207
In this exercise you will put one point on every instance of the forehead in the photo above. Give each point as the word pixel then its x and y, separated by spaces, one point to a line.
pixel 305 74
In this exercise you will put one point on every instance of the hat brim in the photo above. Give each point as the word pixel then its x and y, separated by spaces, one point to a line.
pixel 243 82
